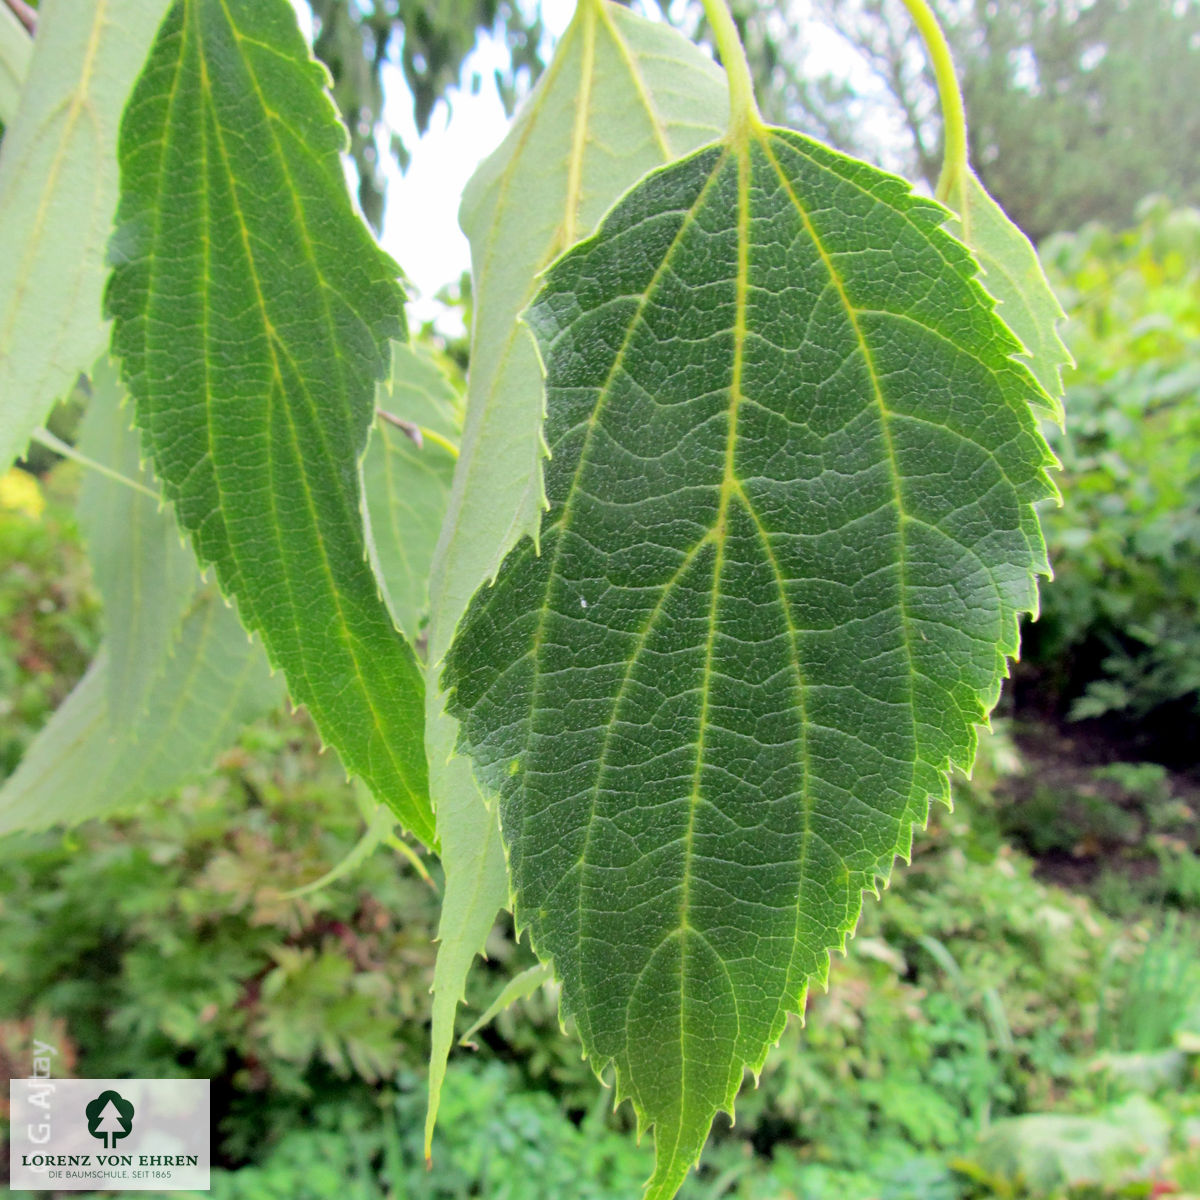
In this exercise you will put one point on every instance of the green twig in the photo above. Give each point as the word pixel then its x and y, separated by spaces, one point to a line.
pixel 954 114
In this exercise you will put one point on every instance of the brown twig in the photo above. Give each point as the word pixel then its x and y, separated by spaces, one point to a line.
pixel 26 15
pixel 413 431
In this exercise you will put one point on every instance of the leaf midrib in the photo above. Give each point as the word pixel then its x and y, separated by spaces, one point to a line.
pixel 561 524
pixel 276 348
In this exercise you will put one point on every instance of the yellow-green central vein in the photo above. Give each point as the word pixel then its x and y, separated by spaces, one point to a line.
pixel 562 525
pixel 885 415
pixel 275 348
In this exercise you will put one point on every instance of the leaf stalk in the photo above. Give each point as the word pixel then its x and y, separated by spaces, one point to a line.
pixel 743 108
pixel 954 115
pixel 45 438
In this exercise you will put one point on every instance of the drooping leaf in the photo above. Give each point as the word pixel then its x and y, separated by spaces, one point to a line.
pixel 406 478
pixel 791 530
pixel 622 95
pixel 177 678
pixel 1013 276
pixel 58 192
pixel 253 319
pixel 476 889
pixel 16 48
pixel 146 576
pixel 85 764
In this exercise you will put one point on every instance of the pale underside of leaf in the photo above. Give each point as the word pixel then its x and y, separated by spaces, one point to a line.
pixel 406 479
pixel 58 192
pixel 621 96
pixel 791 530
pixel 253 319
pixel 146 575
pixel 177 678
pixel 84 764
pixel 1014 277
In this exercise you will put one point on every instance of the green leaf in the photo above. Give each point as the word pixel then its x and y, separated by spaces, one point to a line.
pixel 16 49
pixel 621 96
pixel 58 192
pixel 380 825
pixel 85 764
pixel 1013 276
pixel 791 530
pixel 406 478
pixel 517 988
pixel 476 888
pixel 146 576
pixel 253 319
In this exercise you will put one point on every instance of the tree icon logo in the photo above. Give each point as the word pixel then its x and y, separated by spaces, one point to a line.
pixel 109 1118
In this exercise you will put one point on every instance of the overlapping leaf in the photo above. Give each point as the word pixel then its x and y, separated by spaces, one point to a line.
pixel 253 319
pixel 177 679
pixel 791 531
pixel 406 479
pixel 58 192
pixel 621 96
pixel 1014 278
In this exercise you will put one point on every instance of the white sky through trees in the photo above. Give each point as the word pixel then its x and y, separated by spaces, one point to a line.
pixel 421 216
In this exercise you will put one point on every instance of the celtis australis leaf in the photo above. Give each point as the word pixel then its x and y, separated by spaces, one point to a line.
pixel 253 319
pixel 84 764
pixel 177 678
pixel 792 528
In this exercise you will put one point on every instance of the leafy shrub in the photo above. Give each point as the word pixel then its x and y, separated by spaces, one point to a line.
pixel 166 945
pixel 1119 629
pixel 49 617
